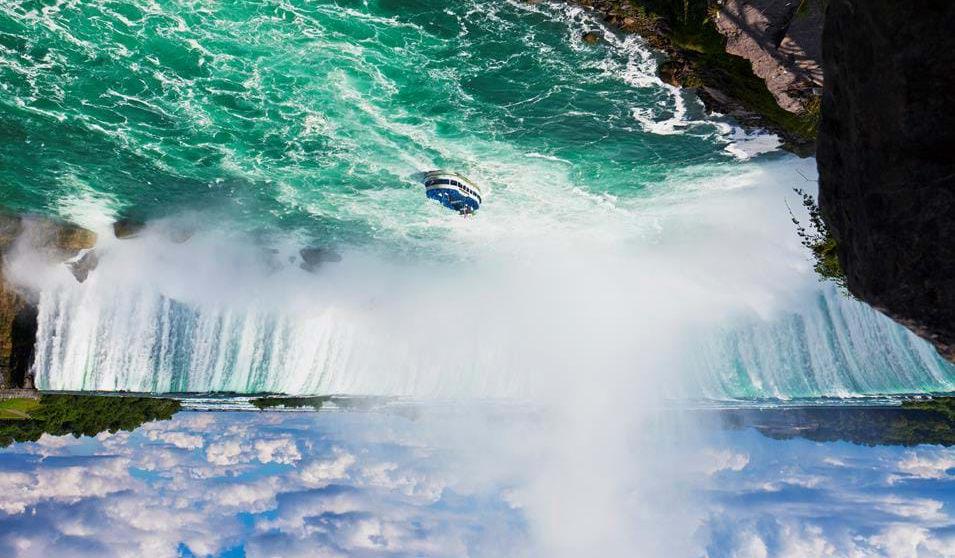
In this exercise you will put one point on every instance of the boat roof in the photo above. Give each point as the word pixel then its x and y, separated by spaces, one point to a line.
pixel 451 174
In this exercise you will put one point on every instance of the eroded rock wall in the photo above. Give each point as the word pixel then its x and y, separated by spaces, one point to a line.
pixel 12 303
pixel 886 156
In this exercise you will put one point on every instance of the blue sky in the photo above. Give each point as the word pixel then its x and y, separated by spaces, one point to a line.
pixel 379 484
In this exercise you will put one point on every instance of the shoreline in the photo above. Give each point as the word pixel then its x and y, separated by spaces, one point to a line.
pixel 910 421
pixel 697 58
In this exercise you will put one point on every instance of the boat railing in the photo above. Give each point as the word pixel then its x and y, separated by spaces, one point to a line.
pixel 455 183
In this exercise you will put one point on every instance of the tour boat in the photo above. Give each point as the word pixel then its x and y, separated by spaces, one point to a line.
pixel 452 190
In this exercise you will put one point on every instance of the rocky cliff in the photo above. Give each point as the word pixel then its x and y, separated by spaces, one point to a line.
pixel 53 239
pixel 13 311
pixel 886 156
pixel 886 142
pixel 755 60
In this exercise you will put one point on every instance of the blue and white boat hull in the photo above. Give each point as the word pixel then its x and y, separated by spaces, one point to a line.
pixel 453 191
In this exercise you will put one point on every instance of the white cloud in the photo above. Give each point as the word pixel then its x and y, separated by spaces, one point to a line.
pixel 258 496
pixel 803 543
pixel 750 545
pixel 798 480
pixel 196 420
pixel 922 509
pixel 391 476
pixel 227 452
pixel 181 440
pixel 713 461
pixel 925 465
pixel 159 460
pixel 64 484
pixel 323 471
pixel 280 450
pixel 236 450
pixel 912 541
pixel 101 510
pixel 289 547
pixel 360 523
pixel 147 526
pixel 48 441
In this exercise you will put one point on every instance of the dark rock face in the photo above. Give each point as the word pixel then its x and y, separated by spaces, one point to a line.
pixel 313 257
pixel 886 157
pixel 17 339
pixel 23 344
pixel 83 265
pixel 127 228
pixel 59 242
pixel 14 311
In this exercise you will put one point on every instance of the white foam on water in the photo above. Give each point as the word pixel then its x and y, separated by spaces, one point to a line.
pixel 746 145
pixel 708 282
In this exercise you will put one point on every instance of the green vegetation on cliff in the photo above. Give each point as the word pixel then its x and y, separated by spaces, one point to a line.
pixel 941 406
pixel 25 420
pixel 17 409
pixel 272 402
pixel 924 421
pixel 316 402
pixel 819 239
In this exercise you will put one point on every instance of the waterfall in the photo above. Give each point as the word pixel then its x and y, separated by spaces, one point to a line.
pixel 676 289
pixel 835 347
pixel 144 341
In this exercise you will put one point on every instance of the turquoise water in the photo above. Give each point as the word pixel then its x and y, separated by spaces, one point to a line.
pixel 281 114
pixel 626 239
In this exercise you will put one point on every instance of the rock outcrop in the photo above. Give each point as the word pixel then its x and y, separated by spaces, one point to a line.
pixel 14 311
pixel 83 264
pixel 58 241
pixel 757 61
pixel 591 37
pixel 313 257
pixel 886 156
pixel 782 39
pixel 127 228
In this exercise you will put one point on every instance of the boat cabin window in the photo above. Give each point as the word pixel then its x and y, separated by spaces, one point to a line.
pixel 455 183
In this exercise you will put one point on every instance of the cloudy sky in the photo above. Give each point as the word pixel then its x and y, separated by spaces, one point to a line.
pixel 377 484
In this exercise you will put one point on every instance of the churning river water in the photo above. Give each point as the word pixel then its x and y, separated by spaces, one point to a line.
pixel 627 240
